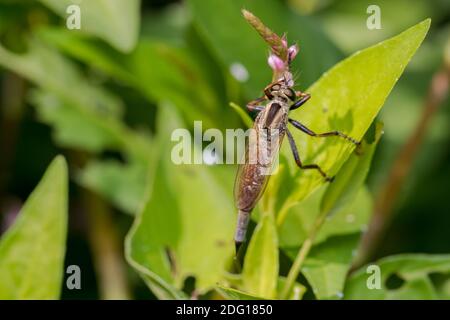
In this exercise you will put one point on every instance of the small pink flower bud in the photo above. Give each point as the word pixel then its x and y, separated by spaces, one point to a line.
pixel 276 63
pixel 292 52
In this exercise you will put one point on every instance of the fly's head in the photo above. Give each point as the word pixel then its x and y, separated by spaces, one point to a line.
pixel 281 90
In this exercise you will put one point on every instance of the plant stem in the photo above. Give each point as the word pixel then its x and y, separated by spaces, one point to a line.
pixel 107 252
pixel 301 255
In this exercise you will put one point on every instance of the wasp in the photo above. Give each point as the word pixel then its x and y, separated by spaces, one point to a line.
pixel 272 114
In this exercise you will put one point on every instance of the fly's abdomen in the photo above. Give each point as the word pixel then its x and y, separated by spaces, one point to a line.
pixel 250 187
pixel 261 151
pixel 254 173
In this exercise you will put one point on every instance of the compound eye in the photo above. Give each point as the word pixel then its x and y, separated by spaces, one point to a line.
pixel 275 87
pixel 290 94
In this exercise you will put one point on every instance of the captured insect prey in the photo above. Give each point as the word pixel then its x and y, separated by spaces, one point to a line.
pixel 269 129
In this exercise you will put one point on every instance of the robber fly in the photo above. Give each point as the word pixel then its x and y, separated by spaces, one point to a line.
pixel 273 109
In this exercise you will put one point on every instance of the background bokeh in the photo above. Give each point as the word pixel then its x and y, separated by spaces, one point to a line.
pixel 175 59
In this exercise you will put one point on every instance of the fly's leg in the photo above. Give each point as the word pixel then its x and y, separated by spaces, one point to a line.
pixel 255 105
pixel 299 162
pixel 303 98
pixel 301 127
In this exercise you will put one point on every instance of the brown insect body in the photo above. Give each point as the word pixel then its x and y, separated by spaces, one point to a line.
pixel 269 130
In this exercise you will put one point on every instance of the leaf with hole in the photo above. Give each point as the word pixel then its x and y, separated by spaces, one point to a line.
pixel 404 276
pixel 186 225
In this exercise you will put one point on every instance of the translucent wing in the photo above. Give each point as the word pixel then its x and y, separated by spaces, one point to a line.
pixel 255 169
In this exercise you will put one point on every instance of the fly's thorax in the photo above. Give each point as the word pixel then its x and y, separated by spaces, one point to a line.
pixel 268 133
pixel 274 115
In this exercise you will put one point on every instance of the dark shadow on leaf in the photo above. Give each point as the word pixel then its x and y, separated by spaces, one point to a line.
pixel 394 282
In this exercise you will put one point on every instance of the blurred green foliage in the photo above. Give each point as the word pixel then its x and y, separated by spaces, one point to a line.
pixel 113 92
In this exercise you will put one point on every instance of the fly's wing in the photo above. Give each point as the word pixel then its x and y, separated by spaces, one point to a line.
pixel 249 186
pixel 254 170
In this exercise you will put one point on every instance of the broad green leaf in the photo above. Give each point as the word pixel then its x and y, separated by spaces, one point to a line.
pixel 32 250
pixel 346 98
pixel 233 41
pixel 352 218
pixel 413 269
pixel 186 226
pixel 327 265
pixel 166 73
pixel 323 272
pixel 260 272
pixel 443 288
pixel 351 177
pixel 115 21
pixel 343 20
pixel 123 184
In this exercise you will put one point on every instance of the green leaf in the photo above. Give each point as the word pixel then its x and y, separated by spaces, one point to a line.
pixel 413 269
pixel 327 265
pixel 260 271
pixel 323 272
pixel 166 73
pixel 297 291
pixel 346 98
pixel 343 20
pixel 351 176
pixel 96 54
pixel 234 294
pixel 115 21
pixel 352 218
pixel 186 226
pixel 32 250
pixel 123 184
pixel 73 127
